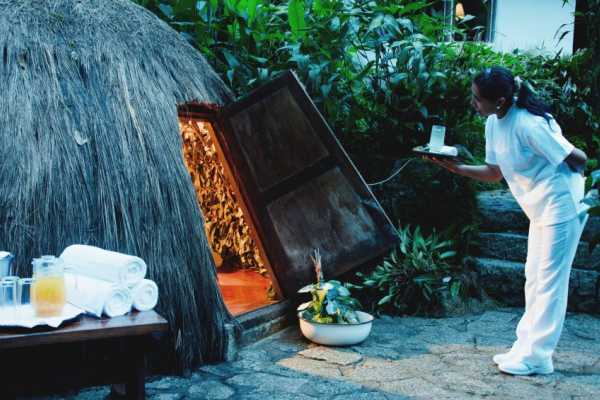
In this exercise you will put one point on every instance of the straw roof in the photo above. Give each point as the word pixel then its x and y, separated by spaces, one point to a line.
pixel 91 149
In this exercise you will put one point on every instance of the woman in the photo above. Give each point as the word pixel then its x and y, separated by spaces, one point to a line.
pixel 544 172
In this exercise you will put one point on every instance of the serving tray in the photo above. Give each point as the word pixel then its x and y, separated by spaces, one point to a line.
pixel 24 316
pixel 425 151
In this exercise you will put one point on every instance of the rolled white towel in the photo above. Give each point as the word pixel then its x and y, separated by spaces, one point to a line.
pixel 119 303
pixel 97 296
pixel 104 264
pixel 145 295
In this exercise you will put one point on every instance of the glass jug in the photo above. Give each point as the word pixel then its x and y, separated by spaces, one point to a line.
pixel 6 259
pixel 48 289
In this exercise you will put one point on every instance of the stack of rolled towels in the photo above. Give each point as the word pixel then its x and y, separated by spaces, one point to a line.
pixel 106 282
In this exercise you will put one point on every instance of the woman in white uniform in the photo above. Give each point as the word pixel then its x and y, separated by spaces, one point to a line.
pixel 544 172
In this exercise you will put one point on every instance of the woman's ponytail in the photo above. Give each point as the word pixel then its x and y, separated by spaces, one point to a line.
pixel 526 99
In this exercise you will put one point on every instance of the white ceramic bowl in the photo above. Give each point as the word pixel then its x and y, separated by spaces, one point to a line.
pixel 337 334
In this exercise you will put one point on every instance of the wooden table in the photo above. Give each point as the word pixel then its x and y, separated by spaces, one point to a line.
pixel 131 330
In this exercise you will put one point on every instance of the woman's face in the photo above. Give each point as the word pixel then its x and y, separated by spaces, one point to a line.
pixel 483 106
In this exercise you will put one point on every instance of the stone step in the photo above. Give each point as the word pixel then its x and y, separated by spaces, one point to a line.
pixel 513 247
pixel 500 213
pixel 258 324
pixel 505 280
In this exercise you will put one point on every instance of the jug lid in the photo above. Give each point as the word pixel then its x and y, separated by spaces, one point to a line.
pixel 47 261
pixel 6 254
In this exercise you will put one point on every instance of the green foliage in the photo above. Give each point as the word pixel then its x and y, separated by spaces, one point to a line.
pixel 348 62
pixel 296 18
pixel 331 303
pixel 414 276
pixel 380 75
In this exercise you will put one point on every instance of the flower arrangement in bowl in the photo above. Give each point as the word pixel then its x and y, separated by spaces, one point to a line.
pixel 332 316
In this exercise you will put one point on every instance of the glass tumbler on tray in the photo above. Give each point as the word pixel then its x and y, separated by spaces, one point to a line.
pixel 8 297
pixel 24 291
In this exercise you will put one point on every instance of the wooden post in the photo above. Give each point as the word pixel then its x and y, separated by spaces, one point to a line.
pixel 134 385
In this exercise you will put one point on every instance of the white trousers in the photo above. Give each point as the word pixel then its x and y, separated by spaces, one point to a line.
pixel 550 253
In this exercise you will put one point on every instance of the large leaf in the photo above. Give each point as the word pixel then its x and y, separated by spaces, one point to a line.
pixel 296 17
pixel 167 10
pixel 595 177
pixel 332 293
pixel 384 300
pixel 331 307
pixel 455 289
pixel 343 291
pixel 231 59
pixel 306 289
pixel 447 254
pixel 251 10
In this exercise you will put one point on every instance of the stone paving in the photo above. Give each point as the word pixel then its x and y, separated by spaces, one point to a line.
pixel 403 358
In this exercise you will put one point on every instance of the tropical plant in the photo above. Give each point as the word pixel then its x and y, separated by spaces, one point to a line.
pixel 413 276
pixel 331 301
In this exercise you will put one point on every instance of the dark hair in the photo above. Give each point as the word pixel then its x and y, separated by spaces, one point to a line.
pixel 496 82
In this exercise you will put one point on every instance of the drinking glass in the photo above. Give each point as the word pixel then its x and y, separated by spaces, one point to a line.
pixel 9 290
pixel 436 142
pixel 8 296
pixel 24 291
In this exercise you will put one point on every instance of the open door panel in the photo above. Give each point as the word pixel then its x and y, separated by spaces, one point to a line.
pixel 301 189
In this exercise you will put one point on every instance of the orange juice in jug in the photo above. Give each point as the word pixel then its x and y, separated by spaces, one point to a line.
pixel 48 292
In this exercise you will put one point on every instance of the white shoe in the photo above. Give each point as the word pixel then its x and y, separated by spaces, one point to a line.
pixel 523 368
pixel 502 358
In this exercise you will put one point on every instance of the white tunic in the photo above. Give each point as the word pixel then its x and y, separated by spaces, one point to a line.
pixel 530 151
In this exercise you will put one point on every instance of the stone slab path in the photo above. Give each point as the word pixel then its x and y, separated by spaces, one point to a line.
pixel 403 358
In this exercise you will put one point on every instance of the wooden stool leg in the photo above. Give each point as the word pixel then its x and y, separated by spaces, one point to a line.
pixel 135 384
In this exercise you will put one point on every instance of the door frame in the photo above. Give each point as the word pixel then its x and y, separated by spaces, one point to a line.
pixel 204 113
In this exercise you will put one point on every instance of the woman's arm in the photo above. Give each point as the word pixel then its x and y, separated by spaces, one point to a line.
pixel 576 160
pixel 485 173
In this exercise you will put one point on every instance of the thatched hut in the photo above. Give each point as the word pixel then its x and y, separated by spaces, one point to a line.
pixel 104 107
pixel 91 152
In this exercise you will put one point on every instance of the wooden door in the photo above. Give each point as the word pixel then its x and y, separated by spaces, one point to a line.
pixel 299 186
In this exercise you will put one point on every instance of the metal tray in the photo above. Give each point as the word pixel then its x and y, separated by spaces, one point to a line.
pixel 424 151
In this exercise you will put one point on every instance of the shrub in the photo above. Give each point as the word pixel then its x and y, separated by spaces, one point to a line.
pixel 412 278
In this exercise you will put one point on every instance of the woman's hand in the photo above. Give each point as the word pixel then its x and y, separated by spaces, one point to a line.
pixel 576 161
pixel 450 165
pixel 484 173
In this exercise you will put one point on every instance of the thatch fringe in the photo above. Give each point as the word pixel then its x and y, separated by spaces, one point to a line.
pixel 91 152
